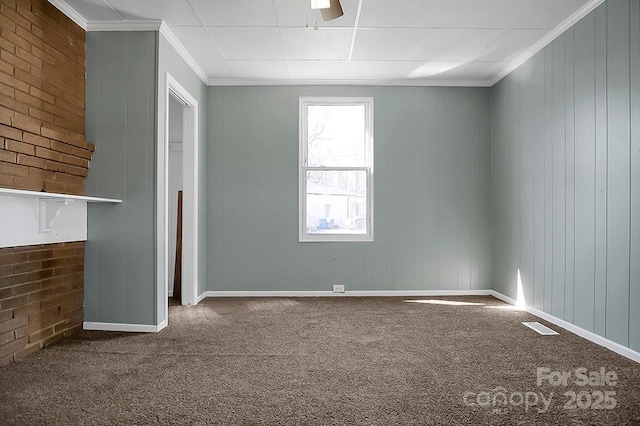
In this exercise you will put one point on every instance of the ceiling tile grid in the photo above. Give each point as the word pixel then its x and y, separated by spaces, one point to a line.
pixel 413 42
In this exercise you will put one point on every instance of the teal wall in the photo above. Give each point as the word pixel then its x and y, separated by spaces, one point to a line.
pixel 125 96
pixel 170 61
pixel 566 175
pixel 121 121
pixel 432 193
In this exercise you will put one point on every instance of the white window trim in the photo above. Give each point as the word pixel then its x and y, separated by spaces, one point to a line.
pixel 306 101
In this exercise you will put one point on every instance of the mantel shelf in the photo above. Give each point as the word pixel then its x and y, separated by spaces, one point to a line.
pixel 53 195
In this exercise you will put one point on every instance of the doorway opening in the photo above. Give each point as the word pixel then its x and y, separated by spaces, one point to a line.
pixel 177 170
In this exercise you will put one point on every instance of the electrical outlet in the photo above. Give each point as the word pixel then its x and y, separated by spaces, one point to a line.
pixel 338 288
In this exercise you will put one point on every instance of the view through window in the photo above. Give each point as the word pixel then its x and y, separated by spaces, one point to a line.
pixel 336 147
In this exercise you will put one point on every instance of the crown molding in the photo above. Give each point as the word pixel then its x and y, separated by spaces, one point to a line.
pixel 123 26
pixel 70 12
pixel 175 43
pixel 355 82
pixel 146 25
pixel 552 35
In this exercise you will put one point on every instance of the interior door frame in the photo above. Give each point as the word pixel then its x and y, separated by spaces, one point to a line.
pixel 190 225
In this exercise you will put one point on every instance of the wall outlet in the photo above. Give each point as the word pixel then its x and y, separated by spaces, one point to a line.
pixel 338 288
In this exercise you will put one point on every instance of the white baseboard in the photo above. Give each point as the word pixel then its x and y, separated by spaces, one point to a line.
pixel 504 298
pixel 372 293
pixel 130 328
pixel 595 338
pixel 170 293
pixel 201 297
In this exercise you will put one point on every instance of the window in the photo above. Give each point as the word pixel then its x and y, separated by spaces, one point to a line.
pixel 336 169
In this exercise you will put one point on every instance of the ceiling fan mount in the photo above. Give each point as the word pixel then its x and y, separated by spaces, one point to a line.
pixel 330 9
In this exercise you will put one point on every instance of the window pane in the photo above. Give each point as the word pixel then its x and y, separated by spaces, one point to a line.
pixel 336 135
pixel 336 202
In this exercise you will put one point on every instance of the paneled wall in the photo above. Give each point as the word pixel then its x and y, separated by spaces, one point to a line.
pixel 566 175
pixel 121 120
pixel 125 98
pixel 432 193
pixel 42 147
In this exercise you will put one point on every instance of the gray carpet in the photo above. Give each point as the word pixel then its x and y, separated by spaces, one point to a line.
pixel 320 361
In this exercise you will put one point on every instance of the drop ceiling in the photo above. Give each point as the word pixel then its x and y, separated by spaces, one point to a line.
pixel 408 42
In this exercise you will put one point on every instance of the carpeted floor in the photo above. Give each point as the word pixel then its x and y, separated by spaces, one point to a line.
pixel 320 361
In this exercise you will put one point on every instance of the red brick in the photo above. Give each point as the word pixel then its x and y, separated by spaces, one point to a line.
pixel 20 147
pixel 39 335
pixel 25 310
pixel 28 350
pixel 23 267
pixel 7 337
pixel 29 57
pixel 8 156
pixel 13 324
pixel 13 169
pixel 13 347
pixel 47 153
pixel 15 17
pixel 11 258
pixel 6 115
pixel 14 60
pixel 40 254
pixel 10 132
pixel 27 160
pixel 36 140
pixel 24 122
pixel 7 90
pixel 6 315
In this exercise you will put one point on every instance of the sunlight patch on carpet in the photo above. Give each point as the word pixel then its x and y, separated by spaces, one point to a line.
pixel 445 302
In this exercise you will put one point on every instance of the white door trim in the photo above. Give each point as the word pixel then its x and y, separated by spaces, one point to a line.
pixel 190 199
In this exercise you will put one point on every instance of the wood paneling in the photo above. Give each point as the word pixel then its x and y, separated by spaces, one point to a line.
pixel 580 127
pixel 432 210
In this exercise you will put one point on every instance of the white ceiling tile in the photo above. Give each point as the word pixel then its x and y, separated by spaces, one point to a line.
pixel 197 42
pixel 173 12
pixel 387 44
pixel 318 70
pixel 379 70
pixel 324 43
pixel 418 40
pixel 215 68
pixel 481 14
pixel 470 71
pixel 547 13
pixel 248 43
pixel 511 44
pixel 267 70
pixel 455 45
pixel 298 13
pixel 406 13
pixel 93 10
pixel 236 13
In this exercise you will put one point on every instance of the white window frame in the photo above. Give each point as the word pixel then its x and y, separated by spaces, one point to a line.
pixel 305 102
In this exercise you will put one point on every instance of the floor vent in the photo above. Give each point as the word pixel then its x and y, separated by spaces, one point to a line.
pixel 540 328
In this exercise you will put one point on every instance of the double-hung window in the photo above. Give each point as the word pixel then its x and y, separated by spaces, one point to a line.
pixel 336 169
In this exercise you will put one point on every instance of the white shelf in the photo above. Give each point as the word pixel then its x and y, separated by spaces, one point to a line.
pixel 53 195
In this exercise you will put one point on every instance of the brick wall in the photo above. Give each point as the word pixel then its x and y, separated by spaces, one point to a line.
pixel 42 82
pixel 41 296
pixel 42 147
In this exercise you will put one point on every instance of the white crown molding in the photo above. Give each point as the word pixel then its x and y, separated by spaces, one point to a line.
pixel 175 43
pixel 129 328
pixel 355 82
pixel 93 26
pixel 555 33
pixel 70 12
